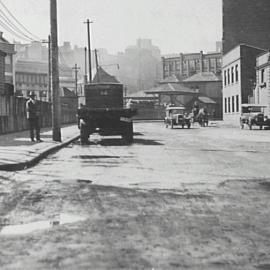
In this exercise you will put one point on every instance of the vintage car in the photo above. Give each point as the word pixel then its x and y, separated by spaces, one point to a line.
pixel 176 116
pixel 253 115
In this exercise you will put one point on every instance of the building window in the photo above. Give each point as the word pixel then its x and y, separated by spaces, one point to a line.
pixel 205 64
pixel 218 62
pixel 8 60
pixel 198 65
pixel 229 105
pixel 171 67
pixel 225 105
pixel 213 63
pixel 232 74
pixel 228 74
pixel 262 76
pixel 177 66
pixel 225 78
pixel 232 103
pixel 192 65
pixel 166 67
pixel 236 73
pixel 237 103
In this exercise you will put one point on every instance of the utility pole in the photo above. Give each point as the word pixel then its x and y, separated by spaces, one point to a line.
pixel 76 68
pixel 50 70
pixel 56 106
pixel 85 65
pixel 89 49
pixel 97 67
pixel 49 67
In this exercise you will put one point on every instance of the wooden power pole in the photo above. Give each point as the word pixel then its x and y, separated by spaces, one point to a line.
pixel 56 105
pixel 50 70
pixel 89 49
pixel 97 66
pixel 85 65
pixel 76 69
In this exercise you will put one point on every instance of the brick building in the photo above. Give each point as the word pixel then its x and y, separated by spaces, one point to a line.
pixel 262 91
pixel 246 21
pixel 185 65
pixel 31 76
pixel 2 72
pixel 8 48
pixel 209 85
pixel 239 79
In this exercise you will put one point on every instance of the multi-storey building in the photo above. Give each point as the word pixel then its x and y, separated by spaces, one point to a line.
pixel 239 79
pixel 2 72
pixel 262 90
pixel 31 76
pixel 8 49
pixel 246 21
pixel 185 65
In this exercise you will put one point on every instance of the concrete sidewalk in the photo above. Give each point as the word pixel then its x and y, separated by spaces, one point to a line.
pixel 17 152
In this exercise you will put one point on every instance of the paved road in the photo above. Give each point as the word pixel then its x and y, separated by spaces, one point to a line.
pixel 175 199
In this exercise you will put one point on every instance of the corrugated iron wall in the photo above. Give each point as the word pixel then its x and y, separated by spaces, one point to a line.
pixel 13 113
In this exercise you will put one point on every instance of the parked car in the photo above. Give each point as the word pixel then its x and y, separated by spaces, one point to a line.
pixel 253 115
pixel 177 116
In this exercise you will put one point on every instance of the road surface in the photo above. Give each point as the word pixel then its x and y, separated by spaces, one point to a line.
pixel 175 199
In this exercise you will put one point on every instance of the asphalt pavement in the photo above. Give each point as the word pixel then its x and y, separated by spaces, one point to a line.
pixel 18 152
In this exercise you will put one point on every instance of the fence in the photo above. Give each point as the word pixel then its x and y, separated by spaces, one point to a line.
pixel 148 111
pixel 13 113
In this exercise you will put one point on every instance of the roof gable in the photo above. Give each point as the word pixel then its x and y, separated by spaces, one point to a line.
pixel 103 77
pixel 204 77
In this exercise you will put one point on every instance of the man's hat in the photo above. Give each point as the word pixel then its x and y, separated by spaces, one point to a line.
pixel 32 94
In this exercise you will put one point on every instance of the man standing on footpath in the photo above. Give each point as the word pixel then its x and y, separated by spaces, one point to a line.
pixel 32 114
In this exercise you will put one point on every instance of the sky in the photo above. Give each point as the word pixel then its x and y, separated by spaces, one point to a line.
pixel 173 25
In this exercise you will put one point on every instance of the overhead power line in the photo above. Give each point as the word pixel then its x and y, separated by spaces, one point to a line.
pixel 12 26
pixel 8 29
pixel 20 24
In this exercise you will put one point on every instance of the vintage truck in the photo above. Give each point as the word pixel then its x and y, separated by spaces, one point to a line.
pixel 177 116
pixel 253 115
pixel 104 112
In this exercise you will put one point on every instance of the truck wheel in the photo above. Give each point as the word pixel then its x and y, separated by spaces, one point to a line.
pixel 84 134
pixel 128 133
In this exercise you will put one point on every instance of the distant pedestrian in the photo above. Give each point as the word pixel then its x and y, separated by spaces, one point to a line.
pixel 32 114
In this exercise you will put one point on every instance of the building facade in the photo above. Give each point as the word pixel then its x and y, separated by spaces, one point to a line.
pixel 239 79
pixel 209 84
pixel 262 91
pixel 2 72
pixel 31 76
pixel 9 50
pixel 185 65
pixel 246 21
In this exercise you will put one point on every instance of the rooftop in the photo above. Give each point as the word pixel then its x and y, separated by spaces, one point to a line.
pixel 204 77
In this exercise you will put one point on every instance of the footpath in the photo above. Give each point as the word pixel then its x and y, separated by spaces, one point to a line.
pixel 17 152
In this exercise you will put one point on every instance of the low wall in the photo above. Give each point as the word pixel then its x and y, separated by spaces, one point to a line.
pixel 149 112
pixel 13 113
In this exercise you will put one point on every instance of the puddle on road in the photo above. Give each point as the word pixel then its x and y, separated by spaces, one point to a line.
pixel 40 225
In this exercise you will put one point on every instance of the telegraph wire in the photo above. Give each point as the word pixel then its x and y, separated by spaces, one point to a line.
pixel 14 18
pixel 7 28
pixel 12 26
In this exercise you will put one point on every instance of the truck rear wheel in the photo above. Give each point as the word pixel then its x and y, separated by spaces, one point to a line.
pixel 127 134
pixel 84 134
